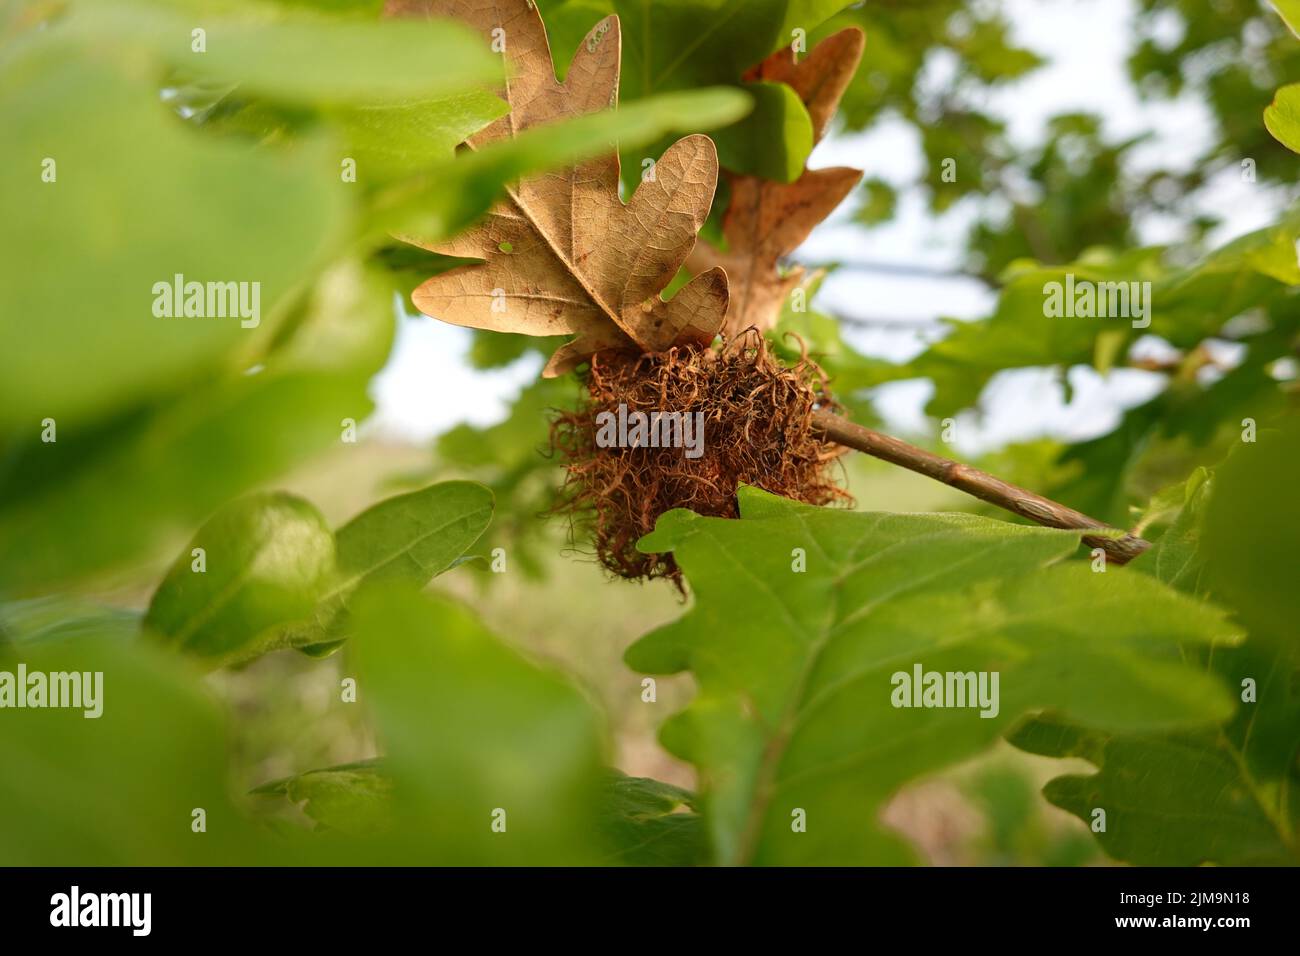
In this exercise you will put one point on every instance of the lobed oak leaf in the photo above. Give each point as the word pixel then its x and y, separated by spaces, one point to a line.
pixel 767 220
pixel 562 254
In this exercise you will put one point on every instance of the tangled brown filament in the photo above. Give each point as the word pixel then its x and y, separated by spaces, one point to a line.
pixel 757 430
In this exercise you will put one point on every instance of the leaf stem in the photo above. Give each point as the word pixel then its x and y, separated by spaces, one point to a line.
pixel 982 485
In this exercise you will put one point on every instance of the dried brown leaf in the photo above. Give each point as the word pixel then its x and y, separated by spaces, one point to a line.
pixel 768 220
pixel 562 253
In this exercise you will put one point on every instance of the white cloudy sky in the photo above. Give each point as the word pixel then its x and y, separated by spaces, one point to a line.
pixel 428 385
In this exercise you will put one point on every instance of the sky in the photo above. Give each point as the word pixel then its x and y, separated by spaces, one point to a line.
pixel 428 385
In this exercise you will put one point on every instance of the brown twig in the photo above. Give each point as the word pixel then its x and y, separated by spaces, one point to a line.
pixel 982 485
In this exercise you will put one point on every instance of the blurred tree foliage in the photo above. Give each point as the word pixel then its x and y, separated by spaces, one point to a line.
pixel 1076 188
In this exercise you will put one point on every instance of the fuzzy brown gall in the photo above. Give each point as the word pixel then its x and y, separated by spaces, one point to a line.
pixel 757 430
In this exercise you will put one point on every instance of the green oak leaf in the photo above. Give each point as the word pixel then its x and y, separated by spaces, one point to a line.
pixel 774 141
pixel 1183 799
pixel 294 57
pixel 258 565
pixel 344 324
pixel 274 576
pixel 641 822
pixel 671 45
pixel 1289 11
pixel 1228 270
pixel 450 195
pixel 796 668
pixel 652 823
pixel 1282 117
pixel 411 538
pixel 474 735
pixel 119 789
pixel 1175 557
pixel 1252 529
pixel 63 618
pixel 1217 795
pixel 392 140
pixel 1186 306
pixel 1018 334
pixel 84 250
pixel 354 799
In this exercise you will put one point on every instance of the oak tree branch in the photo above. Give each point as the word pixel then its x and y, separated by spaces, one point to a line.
pixel 982 485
